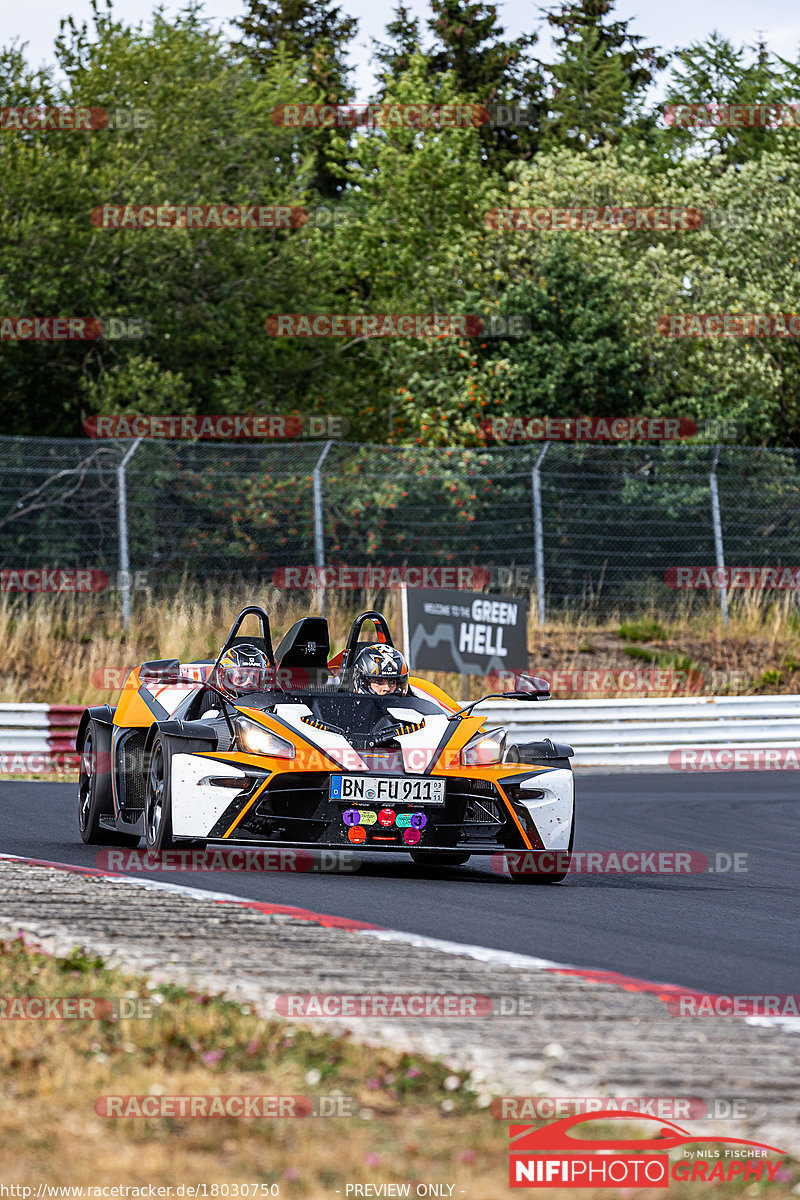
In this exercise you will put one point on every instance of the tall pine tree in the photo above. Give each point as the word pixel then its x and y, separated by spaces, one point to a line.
pixel 395 55
pixel 318 33
pixel 470 44
pixel 716 72
pixel 599 76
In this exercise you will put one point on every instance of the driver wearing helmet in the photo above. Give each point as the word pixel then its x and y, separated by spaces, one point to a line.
pixel 380 671
pixel 243 669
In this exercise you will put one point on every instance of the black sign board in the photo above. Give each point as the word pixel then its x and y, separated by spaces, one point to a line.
pixel 472 633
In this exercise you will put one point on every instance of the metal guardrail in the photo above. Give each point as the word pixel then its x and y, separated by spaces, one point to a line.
pixel 38 738
pixel 41 737
pixel 643 732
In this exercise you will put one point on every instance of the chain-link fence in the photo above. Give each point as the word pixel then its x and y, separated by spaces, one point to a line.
pixel 599 530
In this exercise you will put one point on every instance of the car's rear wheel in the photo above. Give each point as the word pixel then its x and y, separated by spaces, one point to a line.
pixel 94 790
pixel 158 801
pixel 440 858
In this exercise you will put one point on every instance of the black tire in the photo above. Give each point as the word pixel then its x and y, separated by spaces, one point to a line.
pixel 94 790
pixel 439 858
pixel 158 800
pixel 533 877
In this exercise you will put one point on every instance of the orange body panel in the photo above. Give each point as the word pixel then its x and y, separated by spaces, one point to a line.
pixel 132 712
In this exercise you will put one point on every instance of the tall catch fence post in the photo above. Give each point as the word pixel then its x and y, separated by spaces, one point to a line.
pixel 718 546
pixel 319 530
pixel 122 519
pixel 538 538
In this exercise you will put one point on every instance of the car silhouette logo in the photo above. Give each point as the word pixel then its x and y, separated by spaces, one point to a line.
pixel 559 1137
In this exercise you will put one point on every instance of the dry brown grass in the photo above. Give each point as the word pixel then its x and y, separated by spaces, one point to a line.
pixel 57 649
pixel 409 1127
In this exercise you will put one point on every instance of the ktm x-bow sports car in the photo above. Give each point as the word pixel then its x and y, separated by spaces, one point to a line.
pixel 281 748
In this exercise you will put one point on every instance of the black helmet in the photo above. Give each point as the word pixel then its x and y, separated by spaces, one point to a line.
pixel 382 665
pixel 243 669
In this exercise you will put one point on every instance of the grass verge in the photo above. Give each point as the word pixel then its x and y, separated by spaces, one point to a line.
pixel 416 1120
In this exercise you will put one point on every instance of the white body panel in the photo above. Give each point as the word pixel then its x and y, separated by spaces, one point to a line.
pixel 197 807
pixel 554 812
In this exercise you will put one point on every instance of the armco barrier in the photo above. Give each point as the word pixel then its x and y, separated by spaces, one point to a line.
pixel 604 733
pixel 38 737
pixel 638 733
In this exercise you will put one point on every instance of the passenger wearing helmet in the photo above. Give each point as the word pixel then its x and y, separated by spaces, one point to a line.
pixel 380 671
pixel 242 670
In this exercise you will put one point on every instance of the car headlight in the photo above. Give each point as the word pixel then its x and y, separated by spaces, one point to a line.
pixel 484 748
pixel 255 739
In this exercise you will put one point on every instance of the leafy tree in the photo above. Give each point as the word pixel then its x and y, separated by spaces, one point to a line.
pixel 576 360
pixel 316 33
pixel 416 249
pixel 738 261
pixel 205 293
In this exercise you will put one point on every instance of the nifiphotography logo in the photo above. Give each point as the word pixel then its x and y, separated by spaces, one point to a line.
pixel 560 1155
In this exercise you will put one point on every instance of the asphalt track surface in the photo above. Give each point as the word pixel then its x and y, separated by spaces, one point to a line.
pixel 718 932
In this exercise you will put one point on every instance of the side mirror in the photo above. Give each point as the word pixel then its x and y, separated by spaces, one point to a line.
pixel 529 687
pixel 162 671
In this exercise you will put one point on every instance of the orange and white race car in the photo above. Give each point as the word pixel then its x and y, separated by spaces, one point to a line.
pixel 279 748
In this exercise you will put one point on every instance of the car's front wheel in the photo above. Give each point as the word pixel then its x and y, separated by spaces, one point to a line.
pixel 94 789
pixel 158 801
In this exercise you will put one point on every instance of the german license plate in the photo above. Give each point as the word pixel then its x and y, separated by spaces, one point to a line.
pixel 386 789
